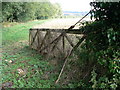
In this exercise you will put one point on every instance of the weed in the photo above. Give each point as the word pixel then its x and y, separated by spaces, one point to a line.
pixel 21 65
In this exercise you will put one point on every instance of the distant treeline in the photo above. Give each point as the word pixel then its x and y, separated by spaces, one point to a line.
pixel 25 11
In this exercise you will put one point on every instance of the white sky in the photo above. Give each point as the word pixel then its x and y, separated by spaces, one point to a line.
pixel 74 5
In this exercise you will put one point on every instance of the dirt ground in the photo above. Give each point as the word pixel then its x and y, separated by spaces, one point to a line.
pixel 61 23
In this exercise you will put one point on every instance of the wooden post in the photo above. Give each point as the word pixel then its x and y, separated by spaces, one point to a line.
pixel 63 42
pixel 34 37
pixel 48 43
pixel 42 43
pixel 38 40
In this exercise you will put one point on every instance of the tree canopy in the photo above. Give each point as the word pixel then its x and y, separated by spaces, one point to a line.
pixel 24 11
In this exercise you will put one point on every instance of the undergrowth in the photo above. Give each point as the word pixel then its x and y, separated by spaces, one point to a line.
pixel 24 67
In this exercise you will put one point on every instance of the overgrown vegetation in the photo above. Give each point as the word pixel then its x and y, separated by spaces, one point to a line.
pixel 26 69
pixel 100 52
pixel 99 55
pixel 23 67
pixel 25 11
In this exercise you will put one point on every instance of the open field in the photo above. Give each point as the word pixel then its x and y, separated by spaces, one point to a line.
pixel 64 23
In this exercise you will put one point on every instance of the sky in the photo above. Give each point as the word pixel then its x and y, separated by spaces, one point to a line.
pixel 73 5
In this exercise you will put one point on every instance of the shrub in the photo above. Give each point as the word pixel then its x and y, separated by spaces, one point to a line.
pixel 102 45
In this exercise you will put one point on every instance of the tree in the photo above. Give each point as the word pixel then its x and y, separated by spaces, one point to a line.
pixel 47 10
pixel 101 48
pixel 24 11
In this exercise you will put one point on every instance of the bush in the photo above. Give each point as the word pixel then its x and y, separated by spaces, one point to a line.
pixel 101 47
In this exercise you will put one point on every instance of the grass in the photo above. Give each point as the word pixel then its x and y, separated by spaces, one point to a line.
pixel 18 32
pixel 18 56
pixel 24 67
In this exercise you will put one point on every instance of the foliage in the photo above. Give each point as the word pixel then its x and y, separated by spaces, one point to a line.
pixel 34 68
pixel 108 11
pixel 24 11
pixel 46 10
pixel 101 47
pixel 15 57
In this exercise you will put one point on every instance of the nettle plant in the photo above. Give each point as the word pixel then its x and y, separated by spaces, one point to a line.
pixel 102 45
